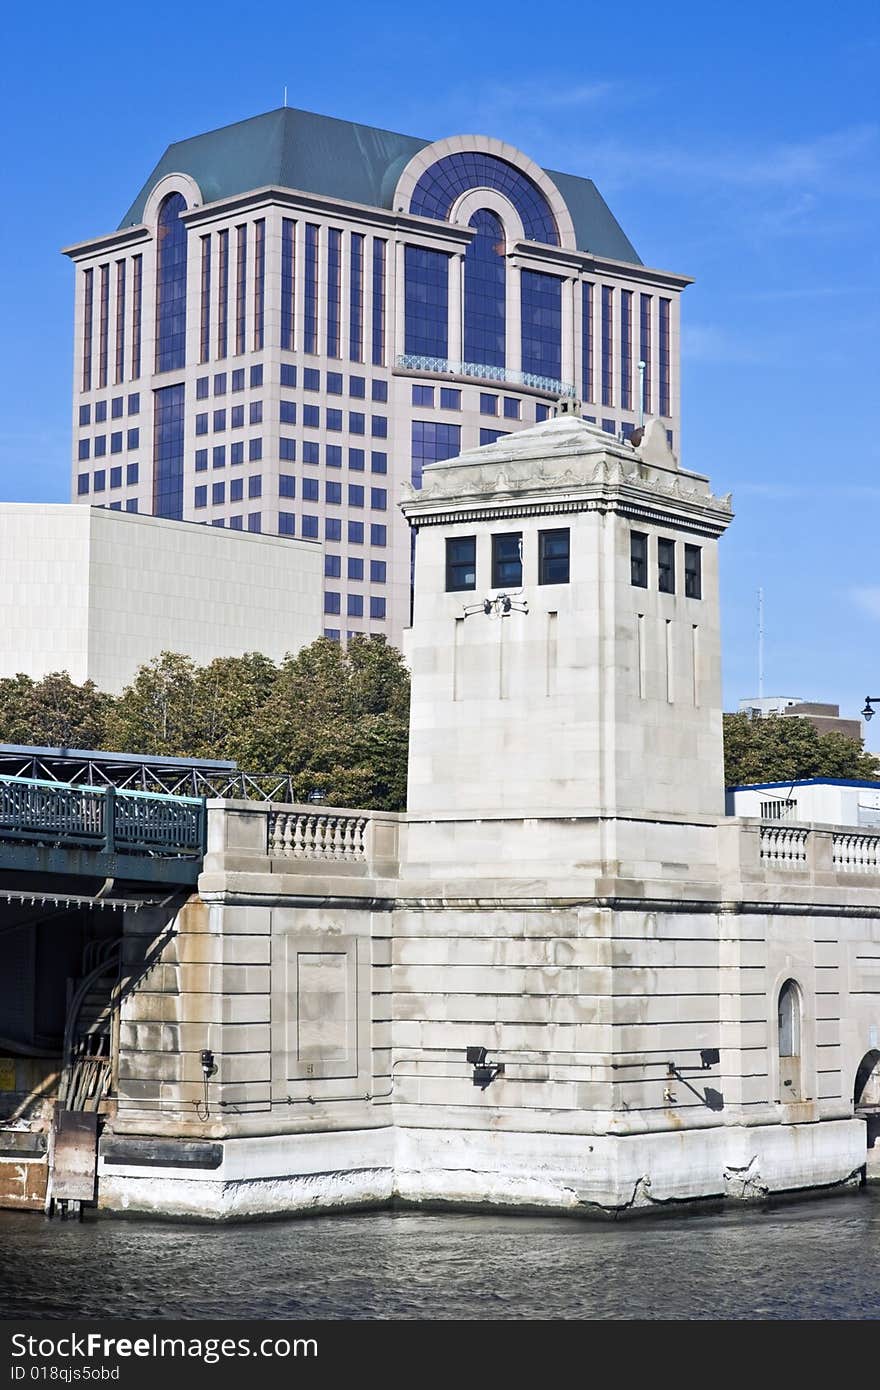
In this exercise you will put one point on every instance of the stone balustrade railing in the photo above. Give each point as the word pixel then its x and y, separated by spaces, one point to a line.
pixel 784 845
pixel 303 835
pixel 855 852
pixel 809 850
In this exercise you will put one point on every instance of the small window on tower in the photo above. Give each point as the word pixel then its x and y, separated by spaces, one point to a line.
pixel 507 560
pixel 666 566
pixel 638 559
pixel 461 563
pixel 693 572
pixel 553 557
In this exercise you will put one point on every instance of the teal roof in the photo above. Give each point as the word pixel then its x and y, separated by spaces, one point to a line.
pixel 340 159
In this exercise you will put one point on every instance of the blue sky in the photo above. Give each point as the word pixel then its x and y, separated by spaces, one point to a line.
pixel 737 144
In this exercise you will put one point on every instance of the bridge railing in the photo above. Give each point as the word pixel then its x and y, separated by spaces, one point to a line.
pixel 101 817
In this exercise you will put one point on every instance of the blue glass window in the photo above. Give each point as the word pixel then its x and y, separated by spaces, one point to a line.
pixel 133 439
pixel 489 436
pixel 236 417
pixel 100 445
pixel 131 505
pixel 542 412
pixel 312 416
pixel 205 326
pixel 357 387
pixel 333 455
pixel 311 379
pixel 511 408
pixel 256 375
pixel 131 474
pixel 311 452
pixel 241 291
pixel 259 288
pixel 235 523
pixel 541 324
pixel 310 489
pixel 255 414
pixel 236 489
pixel 380 390
pixel 334 419
pixel 219 420
pixel 355 495
pixel 202 423
pixel 223 295
pixel 379 427
pixel 88 310
pixel 238 379
pixel 218 493
pixel 355 567
pixel 100 412
pixel 255 486
pixel 426 310
pixel 99 481
pixel 377 571
pixel 310 340
pixel 356 460
pixel 136 304
pixel 288 291
pixel 236 452
pixel 116 477
pixel 171 285
pixel 609 426
pixel 355 605
pixel 378 462
pixel 432 442
pixel 254 521
pixel 200 497
pixel 626 329
pixel 356 300
pixel 82 485
pixel 202 388
pixel 332 566
pixel 334 290
pixel 587 342
pixel 645 351
pixel 423 395
pixel 356 533
pixel 378 499
pixel 663 356
pixel 333 493
pixel 286 524
pixel 255 450
pixel 288 374
pixel 356 422
pixel 201 460
pixel 219 457
pixel 84 447
pixel 449 177
pixel 116 408
pixel 134 403
pixel 334 383
pixel 168 432
pixel 378 302
pixel 332 529
pixel 286 485
pixel 488 405
pixel 286 449
pixel 287 412
pixel 450 398
pixel 485 269
pixel 378 535
pixel 310 527
pixel 377 607
pixel 332 602
pixel 607 345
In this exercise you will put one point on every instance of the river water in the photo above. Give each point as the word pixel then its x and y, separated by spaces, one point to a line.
pixel 812 1259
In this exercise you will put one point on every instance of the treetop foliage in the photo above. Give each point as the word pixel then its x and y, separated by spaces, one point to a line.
pixel 787 749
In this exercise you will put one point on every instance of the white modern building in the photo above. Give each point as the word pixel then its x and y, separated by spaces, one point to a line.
pixel 96 592
pixel 297 314
pixel 823 800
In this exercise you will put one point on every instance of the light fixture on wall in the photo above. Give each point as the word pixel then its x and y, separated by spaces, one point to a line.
pixel 485 1071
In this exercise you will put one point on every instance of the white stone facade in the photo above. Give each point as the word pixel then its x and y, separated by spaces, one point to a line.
pixel 97 593
pixel 687 1007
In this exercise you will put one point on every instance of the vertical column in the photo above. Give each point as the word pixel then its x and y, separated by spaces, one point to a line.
pixel 399 344
pixel 345 295
pixel 299 298
pixel 577 338
pixel 513 315
pixel 567 357
pixel 272 281
pixel 455 347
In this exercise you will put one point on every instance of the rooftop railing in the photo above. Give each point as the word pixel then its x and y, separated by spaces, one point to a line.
pixel 106 818
pixel 482 371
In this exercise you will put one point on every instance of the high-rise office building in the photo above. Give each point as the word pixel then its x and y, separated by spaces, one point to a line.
pixel 297 314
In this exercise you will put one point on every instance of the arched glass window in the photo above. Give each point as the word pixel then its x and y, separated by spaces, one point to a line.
pixel 171 285
pixel 454 174
pixel 789 1020
pixel 484 291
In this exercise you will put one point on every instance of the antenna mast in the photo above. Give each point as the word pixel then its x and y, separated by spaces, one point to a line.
pixel 760 643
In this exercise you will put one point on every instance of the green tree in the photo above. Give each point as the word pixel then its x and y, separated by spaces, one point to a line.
pixel 157 713
pixel 53 712
pixel 784 749
pixel 230 692
pixel 338 720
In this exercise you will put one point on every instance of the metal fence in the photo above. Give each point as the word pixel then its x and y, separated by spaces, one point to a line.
pixel 131 822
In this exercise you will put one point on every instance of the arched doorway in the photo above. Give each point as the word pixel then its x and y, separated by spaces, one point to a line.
pixel 789 1036
pixel 866 1105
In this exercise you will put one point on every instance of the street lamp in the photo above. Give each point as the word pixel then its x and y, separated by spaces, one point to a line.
pixel 867 712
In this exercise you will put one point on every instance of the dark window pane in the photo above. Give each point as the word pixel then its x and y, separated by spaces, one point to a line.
pixel 461 563
pixel 507 560
pixel 553 557
pixel 638 559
